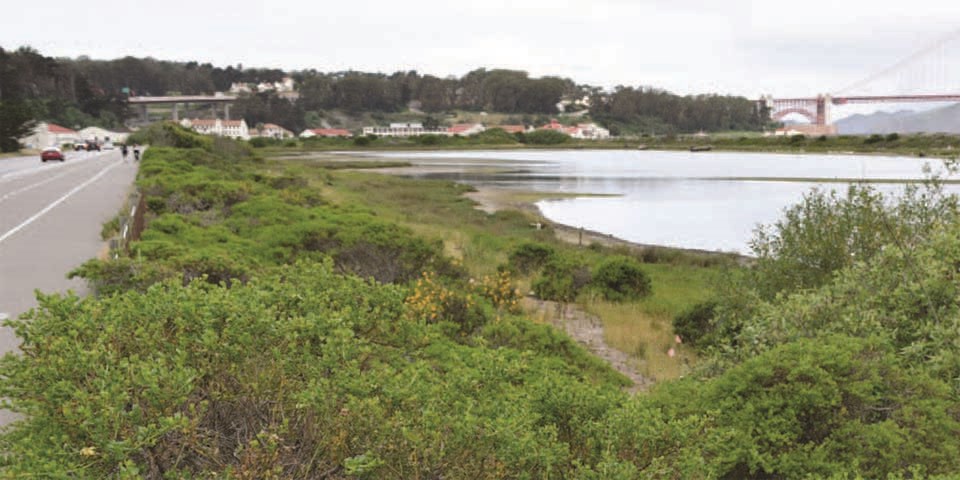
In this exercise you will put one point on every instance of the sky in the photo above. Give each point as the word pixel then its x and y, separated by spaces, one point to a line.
pixel 739 47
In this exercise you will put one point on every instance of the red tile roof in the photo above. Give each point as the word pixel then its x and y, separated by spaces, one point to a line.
pixel 461 127
pixel 331 132
pixel 553 125
pixel 512 128
pixel 54 128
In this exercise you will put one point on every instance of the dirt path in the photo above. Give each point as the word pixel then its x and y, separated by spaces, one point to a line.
pixel 587 330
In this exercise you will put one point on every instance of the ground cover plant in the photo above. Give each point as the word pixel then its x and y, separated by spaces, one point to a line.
pixel 278 321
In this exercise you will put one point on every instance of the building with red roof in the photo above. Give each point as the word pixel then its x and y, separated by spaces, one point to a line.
pixel 325 132
pixel 465 129
pixel 512 128
pixel 50 135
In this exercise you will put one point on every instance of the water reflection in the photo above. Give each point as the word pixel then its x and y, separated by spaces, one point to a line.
pixel 710 201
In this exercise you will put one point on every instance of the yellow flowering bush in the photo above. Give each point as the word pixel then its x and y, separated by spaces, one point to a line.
pixel 501 291
pixel 434 302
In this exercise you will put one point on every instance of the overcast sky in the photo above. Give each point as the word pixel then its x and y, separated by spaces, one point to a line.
pixel 686 46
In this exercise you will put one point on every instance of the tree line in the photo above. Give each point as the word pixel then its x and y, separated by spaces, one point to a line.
pixel 83 91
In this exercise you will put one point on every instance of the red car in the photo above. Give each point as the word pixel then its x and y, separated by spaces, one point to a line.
pixel 52 153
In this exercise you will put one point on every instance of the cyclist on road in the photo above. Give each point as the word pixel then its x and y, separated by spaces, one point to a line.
pixel 123 151
pixel 136 153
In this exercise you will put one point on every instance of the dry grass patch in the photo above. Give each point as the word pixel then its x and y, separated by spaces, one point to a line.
pixel 647 338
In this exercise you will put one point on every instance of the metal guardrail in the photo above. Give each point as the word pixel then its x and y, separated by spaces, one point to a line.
pixel 131 224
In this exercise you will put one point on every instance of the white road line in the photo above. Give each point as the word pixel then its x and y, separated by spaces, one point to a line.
pixel 59 201
pixel 30 187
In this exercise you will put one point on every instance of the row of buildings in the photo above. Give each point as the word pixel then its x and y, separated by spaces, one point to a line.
pixel 235 129
pixel 581 131
pixel 47 134
pixel 239 129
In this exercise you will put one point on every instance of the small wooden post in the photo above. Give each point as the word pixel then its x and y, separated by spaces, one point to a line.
pixel 580 237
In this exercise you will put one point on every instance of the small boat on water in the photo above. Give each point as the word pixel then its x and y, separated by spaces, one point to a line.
pixel 701 148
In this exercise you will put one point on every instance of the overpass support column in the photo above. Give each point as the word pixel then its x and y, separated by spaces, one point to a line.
pixel 143 112
pixel 226 111
pixel 176 113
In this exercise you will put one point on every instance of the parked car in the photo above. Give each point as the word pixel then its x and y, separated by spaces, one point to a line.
pixel 91 146
pixel 52 153
pixel 79 146
pixel 107 146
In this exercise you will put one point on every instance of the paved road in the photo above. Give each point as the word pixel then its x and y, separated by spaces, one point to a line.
pixel 50 220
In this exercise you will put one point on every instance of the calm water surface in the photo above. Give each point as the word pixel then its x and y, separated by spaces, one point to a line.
pixel 709 201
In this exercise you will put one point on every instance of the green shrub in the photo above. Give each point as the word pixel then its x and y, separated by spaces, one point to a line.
pixel 110 228
pixel 826 408
pixel 494 136
pixel 696 322
pixel 545 137
pixel 529 257
pixel 621 278
pixel 430 140
pixel 561 279
pixel 259 142
pixel 827 231
pixel 362 141
pixel 168 134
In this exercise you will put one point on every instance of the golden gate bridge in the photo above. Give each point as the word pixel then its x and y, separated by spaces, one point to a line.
pixel 932 74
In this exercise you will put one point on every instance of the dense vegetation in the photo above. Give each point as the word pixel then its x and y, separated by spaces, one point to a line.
pixel 81 92
pixel 269 325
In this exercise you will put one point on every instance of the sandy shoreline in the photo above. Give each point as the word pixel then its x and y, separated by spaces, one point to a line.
pixel 491 200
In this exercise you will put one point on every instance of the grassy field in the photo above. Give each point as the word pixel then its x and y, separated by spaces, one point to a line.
pixel 643 329
pixel 439 210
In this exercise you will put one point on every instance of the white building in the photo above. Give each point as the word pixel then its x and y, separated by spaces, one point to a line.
pixel 50 135
pixel 586 131
pixel 403 130
pixel 270 130
pixel 590 131
pixel 222 128
pixel 416 129
pixel 103 135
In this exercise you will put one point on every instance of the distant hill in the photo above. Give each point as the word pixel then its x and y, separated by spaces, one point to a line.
pixel 940 120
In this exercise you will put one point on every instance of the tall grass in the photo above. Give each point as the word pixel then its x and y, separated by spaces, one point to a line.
pixel 644 330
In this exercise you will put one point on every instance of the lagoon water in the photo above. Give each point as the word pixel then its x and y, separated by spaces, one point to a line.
pixel 709 201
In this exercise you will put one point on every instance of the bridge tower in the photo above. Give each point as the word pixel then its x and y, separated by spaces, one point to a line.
pixel 823 109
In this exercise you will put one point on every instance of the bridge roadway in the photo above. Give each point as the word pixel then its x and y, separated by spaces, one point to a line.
pixel 50 220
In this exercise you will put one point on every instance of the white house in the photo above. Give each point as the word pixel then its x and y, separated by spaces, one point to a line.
pixel 588 131
pixel 50 135
pixel 403 130
pixel 223 128
pixel 592 131
pixel 270 130
pixel 417 129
